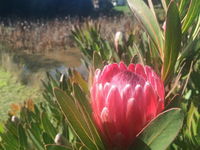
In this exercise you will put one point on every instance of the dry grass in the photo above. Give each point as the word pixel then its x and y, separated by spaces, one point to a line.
pixel 52 35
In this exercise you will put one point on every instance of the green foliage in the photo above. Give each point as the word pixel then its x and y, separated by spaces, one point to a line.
pixel 90 41
pixel 161 131
pixel 13 92
pixel 149 22
pixel 172 40
pixel 79 120
pixel 192 13
pixel 38 124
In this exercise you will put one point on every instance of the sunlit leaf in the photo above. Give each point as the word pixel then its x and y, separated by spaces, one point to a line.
pixel 192 13
pixel 1 128
pixel 192 122
pixel 164 5
pixel 81 97
pixel 160 132
pixel 172 40
pixel 77 120
pixel 196 31
pixel 77 78
pixel 148 21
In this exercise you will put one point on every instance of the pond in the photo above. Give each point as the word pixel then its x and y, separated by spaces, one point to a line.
pixel 21 74
pixel 30 68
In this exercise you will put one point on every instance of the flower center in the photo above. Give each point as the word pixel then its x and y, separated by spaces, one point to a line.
pixel 127 77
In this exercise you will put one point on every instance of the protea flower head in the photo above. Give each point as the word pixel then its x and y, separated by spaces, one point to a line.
pixel 124 100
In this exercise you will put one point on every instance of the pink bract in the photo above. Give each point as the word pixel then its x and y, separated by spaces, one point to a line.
pixel 124 100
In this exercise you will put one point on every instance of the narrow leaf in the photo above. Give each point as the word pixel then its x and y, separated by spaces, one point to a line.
pixel 47 125
pixel 164 5
pixel 34 135
pixel 22 137
pixel 1 128
pixel 191 15
pixel 152 7
pixel 47 139
pixel 97 60
pixel 56 147
pixel 183 7
pixel 196 31
pixel 148 21
pixel 172 40
pixel 77 78
pixel 75 118
pixel 167 2
pixel 81 97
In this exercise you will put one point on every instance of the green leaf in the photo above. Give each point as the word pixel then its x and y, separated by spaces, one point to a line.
pixel 22 137
pixel 77 120
pixel 77 78
pixel 164 4
pixel 192 122
pixel 107 50
pixel 1 147
pixel 196 30
pixel 190 50
pixel 148 21
pixel 183 6
pixel 97 60
pixel 34 134
pixel 161 131
pixel 191 15
pixel 167 2
pixel 47 139
pixel 150 4
pixel 11 142
pixel 172 40
pixel 56 147
pixel 81 97
pixel 47 125
pixel 12 128
pixel 1 128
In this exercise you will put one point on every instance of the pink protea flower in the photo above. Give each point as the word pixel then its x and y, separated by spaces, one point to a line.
pixel 124 100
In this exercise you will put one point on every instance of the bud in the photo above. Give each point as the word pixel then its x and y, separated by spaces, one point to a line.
pixel 15 119
pixel 61 78
pixel 164 26
pixel 118 40
pixel 59 139
pixel 124 99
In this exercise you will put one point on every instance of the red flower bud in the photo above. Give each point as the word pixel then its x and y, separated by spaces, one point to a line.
pixel 124 100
